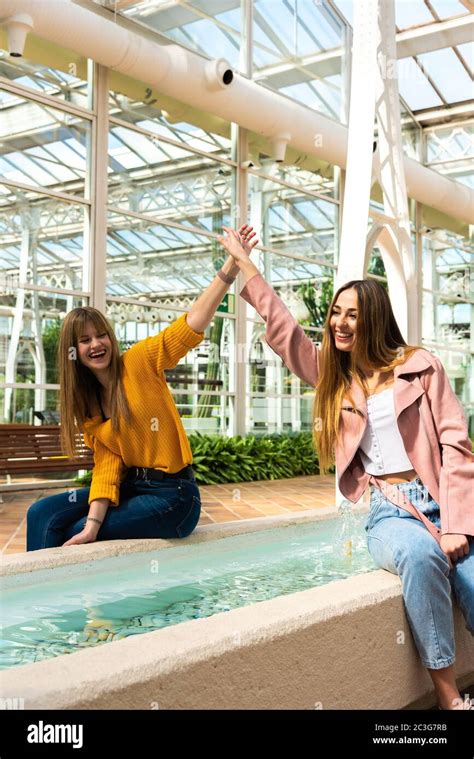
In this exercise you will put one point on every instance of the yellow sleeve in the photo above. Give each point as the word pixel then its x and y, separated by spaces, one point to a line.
pixel 107 472
pixel 166 348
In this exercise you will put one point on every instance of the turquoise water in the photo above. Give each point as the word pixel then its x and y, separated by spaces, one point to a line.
pixel 58 611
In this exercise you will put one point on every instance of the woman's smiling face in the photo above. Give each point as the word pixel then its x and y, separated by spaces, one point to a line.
pixel 94 348
pixel 343 319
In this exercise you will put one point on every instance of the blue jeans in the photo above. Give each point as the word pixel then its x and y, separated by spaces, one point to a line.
pixel 400 543
pixel 168 508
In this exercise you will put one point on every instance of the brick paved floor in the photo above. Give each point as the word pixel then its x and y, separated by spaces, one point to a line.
pixel 220 503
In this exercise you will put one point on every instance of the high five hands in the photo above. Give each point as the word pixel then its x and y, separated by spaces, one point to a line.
pixel 239 244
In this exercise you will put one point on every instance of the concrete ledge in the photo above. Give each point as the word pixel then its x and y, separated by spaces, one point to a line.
pixel 333 647
pixel 48 558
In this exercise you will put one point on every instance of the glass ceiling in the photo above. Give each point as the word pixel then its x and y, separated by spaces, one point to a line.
pixel 52 155
pixel 287 33
pixel 445 76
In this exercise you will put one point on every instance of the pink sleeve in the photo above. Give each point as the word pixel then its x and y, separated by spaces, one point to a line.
pixel 283 333
pixel 457 469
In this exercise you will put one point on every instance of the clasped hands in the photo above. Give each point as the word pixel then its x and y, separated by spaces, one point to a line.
pixel 239 244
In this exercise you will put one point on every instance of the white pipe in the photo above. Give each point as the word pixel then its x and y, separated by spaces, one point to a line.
pixel 185 75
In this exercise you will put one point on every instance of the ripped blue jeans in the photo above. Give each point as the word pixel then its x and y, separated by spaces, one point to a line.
pixel 400 543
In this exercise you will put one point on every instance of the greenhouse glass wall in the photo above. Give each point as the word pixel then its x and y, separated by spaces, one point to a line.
pixel 113 193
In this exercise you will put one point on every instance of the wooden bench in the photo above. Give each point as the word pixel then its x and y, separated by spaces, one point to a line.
pixel 30 449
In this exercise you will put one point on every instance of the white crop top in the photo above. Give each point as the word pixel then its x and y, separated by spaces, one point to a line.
pixel 382 449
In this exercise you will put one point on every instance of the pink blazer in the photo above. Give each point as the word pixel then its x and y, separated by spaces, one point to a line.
pixel 430 417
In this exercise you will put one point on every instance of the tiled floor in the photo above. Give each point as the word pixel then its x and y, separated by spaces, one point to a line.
pixel 220 503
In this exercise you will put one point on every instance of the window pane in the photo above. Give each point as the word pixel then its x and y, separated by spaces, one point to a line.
pixel 156 261
pixel 151 176
pixel 43 146
pixel 31 358
pixel 291 220
pixel 48 69
pixel 449 8
pixel 292 52
pixel 47 236
pixel 448 73
pixel 201 376
pixel 212 29
pixel 278 400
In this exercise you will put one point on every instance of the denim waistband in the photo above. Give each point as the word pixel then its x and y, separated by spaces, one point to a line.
pixel 144 473
pixel 416 483
pixel 416 492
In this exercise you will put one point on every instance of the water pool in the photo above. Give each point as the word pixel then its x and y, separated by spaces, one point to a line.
pixel 57 611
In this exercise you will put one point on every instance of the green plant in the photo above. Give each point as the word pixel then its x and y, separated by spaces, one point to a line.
pixel 317 304
pixel 50 337
pixel 376 266
pixel 218 459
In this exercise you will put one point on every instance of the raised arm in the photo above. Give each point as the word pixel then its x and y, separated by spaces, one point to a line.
pixel 203 309
pixel 282 333
pixel 166 348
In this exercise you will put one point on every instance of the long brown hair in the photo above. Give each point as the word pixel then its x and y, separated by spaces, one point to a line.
pixel 79 385
pixel 378 343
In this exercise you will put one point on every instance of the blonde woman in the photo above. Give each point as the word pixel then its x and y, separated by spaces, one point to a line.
pixel 386 412
pixel 143 483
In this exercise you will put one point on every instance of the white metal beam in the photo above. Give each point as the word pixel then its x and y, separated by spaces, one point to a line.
pixel 373 93
pixel 425 39
pixel 431 116
pixel 199 82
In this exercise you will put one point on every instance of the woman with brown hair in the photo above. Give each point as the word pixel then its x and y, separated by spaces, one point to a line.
pixel 385 412
pixel 143 483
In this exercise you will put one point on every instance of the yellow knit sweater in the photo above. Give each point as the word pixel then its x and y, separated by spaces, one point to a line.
pixel 156 437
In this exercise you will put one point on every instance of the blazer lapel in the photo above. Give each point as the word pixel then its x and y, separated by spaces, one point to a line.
pixel 405 393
